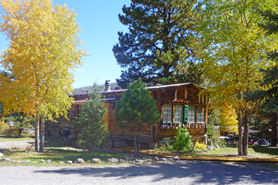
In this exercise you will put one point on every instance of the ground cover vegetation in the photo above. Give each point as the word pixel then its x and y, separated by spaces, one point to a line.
pixel 43 49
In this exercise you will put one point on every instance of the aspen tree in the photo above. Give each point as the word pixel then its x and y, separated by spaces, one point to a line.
pixel 43 50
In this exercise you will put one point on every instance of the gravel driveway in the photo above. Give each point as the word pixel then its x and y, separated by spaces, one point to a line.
pixel 180 173
pixel 5 145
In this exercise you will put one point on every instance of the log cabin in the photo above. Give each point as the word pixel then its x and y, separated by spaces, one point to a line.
pixel 181 105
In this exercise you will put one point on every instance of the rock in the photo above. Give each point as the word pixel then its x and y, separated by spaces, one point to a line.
pixel 13 161
pixel 210 148
pixel 61 162
pixel 125 157
pixel 79 160
pixel 121 161
pixel 27 161
pixel 139 161
pixel 163 159
pixel 176 158
pixel 1 154
pixel 42 161
pixel 6 160
pixel 113 160
pixel 149 160
pixel 156 158
pixel 96 160
pixel 48 161
pixel 69 162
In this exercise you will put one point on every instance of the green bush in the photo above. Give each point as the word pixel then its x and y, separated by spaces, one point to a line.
pixel 90 123
pixel 182 141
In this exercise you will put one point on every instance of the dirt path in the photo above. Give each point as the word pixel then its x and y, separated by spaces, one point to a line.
pixel 5 145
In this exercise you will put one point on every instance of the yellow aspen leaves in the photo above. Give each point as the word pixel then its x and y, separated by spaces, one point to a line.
pixel 43 49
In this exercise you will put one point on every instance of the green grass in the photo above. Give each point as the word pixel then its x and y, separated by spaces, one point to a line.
pixel 55 150
pixel 16 138
pixel 254 151
pixel 57 155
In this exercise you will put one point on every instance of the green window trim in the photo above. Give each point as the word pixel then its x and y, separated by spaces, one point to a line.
pixel 186 113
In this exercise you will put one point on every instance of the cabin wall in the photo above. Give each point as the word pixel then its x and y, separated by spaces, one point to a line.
pixel 181 95
pixel 184 95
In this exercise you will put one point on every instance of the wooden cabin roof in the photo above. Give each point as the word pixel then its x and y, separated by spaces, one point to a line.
pixel 120 91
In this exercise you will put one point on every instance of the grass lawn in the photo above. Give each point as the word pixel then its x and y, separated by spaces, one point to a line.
pixel 57 155
pixel 253 151
pixel 55 151
pixel 16 138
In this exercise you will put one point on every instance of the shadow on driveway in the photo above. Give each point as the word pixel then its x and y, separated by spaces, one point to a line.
pixel 197 171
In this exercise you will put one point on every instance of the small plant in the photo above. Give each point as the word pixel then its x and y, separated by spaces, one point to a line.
pixel 182 141
pixel 200 146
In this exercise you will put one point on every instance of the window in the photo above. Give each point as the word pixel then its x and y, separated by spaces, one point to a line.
pixel 191 114
pixel 200 114
pixel 178 114
pixel 167 114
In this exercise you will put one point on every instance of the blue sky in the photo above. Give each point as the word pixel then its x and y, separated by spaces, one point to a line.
pixel 99 22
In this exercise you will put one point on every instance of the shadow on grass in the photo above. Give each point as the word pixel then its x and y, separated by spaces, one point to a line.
pixel 266 150
pixel 190 171
pixel 57 142
pixel 65 155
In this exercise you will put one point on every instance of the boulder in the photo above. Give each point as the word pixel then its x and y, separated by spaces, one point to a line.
pixel 156 158
pixel 61 162
pixel 27 161
pixel 6 160
pixel 113 160
pixel 163 159
pixel 210 148
pixel 96 160
pixel 149 160
pixel 69 162
pixel 125 157
pixel 176 158
pixel 139 160
pixel 79 160
pixel 1 155
pixel 121 161
pixel 42 161
pixel 48 161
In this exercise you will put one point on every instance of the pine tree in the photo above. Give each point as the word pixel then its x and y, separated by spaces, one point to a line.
pixel 270 81
pixel 90 123
pixel 136 109
pixel 160 44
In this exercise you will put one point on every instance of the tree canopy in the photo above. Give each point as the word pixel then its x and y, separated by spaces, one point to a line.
pixel 160 44
pixel 235 49
pixel 43 49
